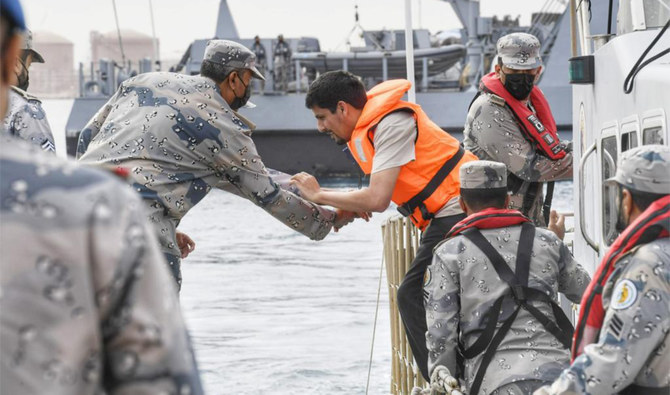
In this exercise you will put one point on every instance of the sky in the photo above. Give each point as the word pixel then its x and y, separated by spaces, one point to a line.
pixel 178 22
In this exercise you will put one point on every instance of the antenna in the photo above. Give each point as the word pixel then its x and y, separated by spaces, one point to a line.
pixel 118 32
pixel 154 41
pixel 358 29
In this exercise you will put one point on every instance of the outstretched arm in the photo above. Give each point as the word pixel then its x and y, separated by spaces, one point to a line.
pixel 376 197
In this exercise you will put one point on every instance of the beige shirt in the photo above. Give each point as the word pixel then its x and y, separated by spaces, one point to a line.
pixel 395 147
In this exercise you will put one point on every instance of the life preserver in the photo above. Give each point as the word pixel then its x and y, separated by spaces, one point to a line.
pixel 652 224
pixel 539 128
pixel 489 218
pixel 426 184
pixel 517 280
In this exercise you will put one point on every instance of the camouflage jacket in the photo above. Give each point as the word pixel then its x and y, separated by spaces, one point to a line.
pixel 633 343
pixel 179 139
pixel 492 133
pixel 26 119
pixel 87 304
pixel 461 285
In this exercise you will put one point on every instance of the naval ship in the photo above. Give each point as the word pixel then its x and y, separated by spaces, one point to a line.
pixel 447 74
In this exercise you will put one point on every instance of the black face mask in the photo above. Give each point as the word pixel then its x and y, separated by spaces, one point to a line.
pixel 519 85
pixel 238 102
pixel 23 79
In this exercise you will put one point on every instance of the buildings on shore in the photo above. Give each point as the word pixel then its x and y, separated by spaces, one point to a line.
pixel 58 77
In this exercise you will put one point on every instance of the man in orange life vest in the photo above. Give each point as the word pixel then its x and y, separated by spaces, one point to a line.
pixel 621 339
pixel 411 161
pixel 510 121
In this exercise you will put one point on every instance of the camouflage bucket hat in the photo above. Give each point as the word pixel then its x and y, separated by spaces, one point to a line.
pixel 519 51
pixel 28 47
pixel 483 174
pixel 645 169
pixel 232 54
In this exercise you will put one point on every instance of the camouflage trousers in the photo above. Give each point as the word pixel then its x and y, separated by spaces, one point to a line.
pixel 174 264
pixel 166 231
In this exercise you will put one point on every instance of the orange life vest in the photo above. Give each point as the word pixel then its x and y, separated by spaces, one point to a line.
pixel 426 184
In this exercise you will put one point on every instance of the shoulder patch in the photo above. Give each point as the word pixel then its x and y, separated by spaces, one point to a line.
pixel 48 146
pixel 624 295
pixel 497 100
pixel 615 327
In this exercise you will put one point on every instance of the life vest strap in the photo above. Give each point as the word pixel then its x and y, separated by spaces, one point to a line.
pixel 489 340
pixel 647 227
pixel 417 201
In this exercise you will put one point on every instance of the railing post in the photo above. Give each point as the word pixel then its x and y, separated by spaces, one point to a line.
pixel 297 76
pixel 424 80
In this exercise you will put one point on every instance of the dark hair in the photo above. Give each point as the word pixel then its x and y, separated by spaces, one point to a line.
pixel 335 86
pixel 6 28
pixel 217 71
pixel 480 199
pixel 642 199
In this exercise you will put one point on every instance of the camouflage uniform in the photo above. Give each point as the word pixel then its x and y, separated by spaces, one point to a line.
pixel 261 60
pixel 26 119
pixel 492 132
pixel 462 285
pixel 633 347
pixel 281 64
pixel 87 304
pixel 179 139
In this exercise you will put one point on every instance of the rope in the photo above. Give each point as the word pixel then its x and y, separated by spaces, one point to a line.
pixel 374 327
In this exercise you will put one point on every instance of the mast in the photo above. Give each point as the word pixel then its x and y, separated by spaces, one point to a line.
pixel 225 25
pixel 467 12
pixel 409 50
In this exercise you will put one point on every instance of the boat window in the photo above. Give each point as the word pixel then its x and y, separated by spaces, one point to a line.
pixel 609 192
pixel 656 13
pixel 628 141
pixel 652 135
pixel 642 14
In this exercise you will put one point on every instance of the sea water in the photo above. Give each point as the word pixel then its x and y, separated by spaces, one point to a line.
pixel 272 312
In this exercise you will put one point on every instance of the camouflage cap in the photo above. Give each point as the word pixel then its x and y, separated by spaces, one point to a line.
pixel 28 47
pixel 645 169
pixel 519 51
pixel 483 174
pixel 232 54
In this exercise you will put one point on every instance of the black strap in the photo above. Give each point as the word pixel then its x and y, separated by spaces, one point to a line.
pixel 546 207
pixel 529 197
pixel 479 92
pixel 417 201
pixel 634 389
pixel 491 350
pixel 491 317
pixel 523 254
pixel 489 340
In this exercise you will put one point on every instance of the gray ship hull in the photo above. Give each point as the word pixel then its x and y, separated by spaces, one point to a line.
pixel 287 139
